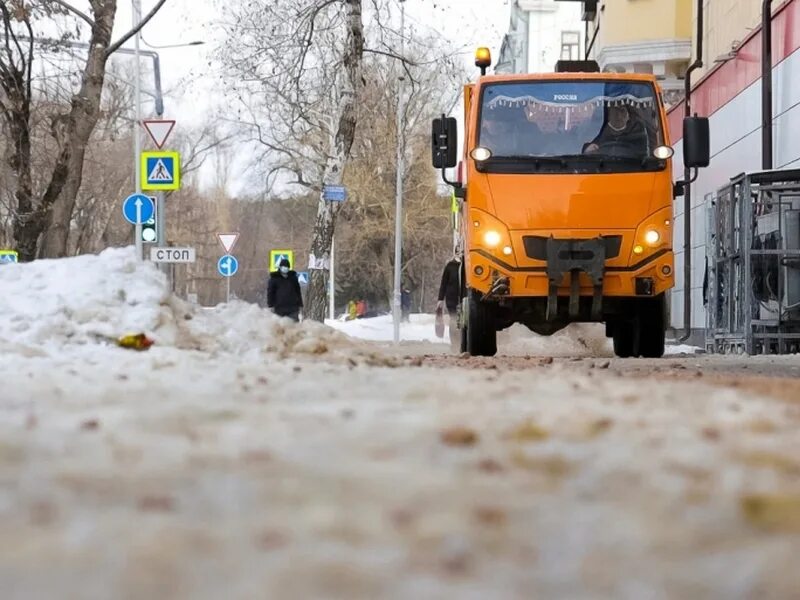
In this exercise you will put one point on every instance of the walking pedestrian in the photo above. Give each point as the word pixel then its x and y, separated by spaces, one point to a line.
pixel 283 292
pixel 449 295
pixel 405 305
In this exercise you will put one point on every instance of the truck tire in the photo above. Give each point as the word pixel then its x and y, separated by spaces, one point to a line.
pixel 624 335
pixel 652 327
pixel 480 334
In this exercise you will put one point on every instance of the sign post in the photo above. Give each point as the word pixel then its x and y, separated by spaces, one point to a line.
pixel 332 193
pixel 275 257
pixel 228 241
pixel 173 255
pixel 228 266
pixel 159 130
pixel 331 283
pixel 137 209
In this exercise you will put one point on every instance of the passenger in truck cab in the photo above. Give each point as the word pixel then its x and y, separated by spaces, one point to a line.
pixel 501 130
pixel 623 134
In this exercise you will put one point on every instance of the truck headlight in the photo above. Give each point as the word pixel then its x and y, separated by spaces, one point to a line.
pixel 652 237
pixel 663 152
pixel 492 239
pixel 480 154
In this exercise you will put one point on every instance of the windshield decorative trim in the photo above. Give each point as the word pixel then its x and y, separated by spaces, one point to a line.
pixel 626 100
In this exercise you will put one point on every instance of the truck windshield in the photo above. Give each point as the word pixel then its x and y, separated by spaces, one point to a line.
pixel 563 122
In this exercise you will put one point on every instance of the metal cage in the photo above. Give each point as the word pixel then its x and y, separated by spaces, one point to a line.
pixel 751 287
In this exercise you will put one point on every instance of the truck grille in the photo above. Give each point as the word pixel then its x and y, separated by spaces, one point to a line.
pixel 536 246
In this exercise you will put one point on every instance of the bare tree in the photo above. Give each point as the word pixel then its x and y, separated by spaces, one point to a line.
pixel 365 237
pixel 41 222
pixel 303 58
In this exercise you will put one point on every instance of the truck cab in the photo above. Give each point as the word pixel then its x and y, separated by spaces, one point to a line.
pixel 565 201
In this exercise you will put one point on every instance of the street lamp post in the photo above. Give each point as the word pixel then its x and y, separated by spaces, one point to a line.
pixel 398 218
pixel 137 140
pixel 156 94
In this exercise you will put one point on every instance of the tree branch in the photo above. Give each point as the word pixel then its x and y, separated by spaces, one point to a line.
pixel 392 55
pixel 75 11
pixel 118 44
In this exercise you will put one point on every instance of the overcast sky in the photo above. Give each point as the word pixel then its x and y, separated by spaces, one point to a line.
pixel 468 23
pixel 192 85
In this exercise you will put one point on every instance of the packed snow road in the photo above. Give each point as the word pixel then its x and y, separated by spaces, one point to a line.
pixel 245 457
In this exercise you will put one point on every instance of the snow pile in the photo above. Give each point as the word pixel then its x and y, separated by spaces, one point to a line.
pixel 576 340
pixel 93 299
pixel 241 327
pixel 381 329
pixel 83 299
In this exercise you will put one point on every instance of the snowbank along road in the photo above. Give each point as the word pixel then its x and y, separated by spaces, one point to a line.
pixel 247 457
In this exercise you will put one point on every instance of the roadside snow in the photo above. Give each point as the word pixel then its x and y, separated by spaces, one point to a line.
pixel 245 456
pixel 51 303
pixel 49 306
pixel 577 340
pixel 381 329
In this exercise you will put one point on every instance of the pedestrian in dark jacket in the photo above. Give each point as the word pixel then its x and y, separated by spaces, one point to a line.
pixel 405 304
pixel 283 292
pixel 449 296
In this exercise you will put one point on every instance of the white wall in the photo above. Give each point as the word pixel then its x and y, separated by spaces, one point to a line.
pixel 546 22
pixel 735 148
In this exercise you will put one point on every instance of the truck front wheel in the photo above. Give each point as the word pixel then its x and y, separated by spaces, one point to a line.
pixel 643 334
pixel 480 333
pixel 652 325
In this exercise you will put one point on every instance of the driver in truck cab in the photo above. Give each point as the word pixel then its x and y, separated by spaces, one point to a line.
pixel 622 135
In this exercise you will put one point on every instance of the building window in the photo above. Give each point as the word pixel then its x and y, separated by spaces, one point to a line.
pixel 570 45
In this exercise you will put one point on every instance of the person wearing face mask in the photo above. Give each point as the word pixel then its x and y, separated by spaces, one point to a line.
pixel 449 295
pixel 283 292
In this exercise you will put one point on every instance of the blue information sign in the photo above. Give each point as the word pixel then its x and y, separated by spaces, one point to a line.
pixel 227 265
pixel 138 209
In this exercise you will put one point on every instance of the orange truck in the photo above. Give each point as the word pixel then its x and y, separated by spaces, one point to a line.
pixel 565 192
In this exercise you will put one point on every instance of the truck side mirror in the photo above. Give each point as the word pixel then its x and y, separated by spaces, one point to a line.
pixel 696 142
pixel 444 142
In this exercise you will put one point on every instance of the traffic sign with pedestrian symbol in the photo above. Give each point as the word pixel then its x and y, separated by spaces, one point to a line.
pixel 138 209
pixel 227 266
pixel 8 256
pixel 302 277
pixel 276 256
pixel 161 170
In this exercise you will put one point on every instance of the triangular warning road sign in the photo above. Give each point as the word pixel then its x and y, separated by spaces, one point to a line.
pixel 228 240
pixel 158 130
pixel 160 172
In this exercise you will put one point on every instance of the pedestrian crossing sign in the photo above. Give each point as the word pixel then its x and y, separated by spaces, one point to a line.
pixel 275 257
pixel 161 170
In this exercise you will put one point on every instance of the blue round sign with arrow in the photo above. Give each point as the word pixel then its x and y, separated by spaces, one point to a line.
pixel 138 209
pixel 227 265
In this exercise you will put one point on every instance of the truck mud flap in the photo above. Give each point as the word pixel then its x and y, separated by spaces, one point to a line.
pixel 571 257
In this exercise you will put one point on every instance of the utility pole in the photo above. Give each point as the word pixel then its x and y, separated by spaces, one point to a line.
pixel 331 282
pixel 398 218
pixel 137 140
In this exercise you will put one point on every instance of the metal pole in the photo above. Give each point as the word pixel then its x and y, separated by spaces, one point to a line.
pixel 228 282
pixel 687 177
pixel 161 206
pixel 398 218
pixel 331 282
pixel 766 85
pixel 137 142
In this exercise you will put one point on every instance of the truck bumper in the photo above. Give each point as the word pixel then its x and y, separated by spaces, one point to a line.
pixel 574 269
